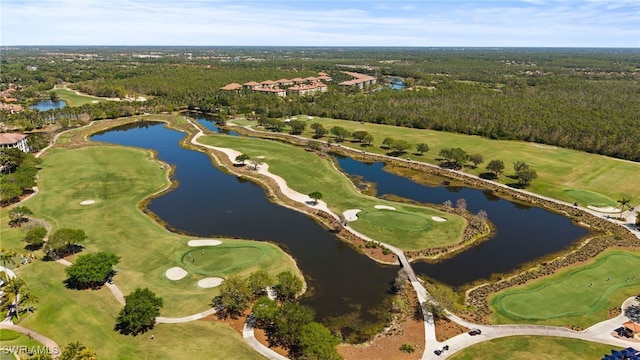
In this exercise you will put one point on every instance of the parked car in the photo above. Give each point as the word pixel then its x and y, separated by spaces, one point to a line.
pixel 474 332
pixel 441 349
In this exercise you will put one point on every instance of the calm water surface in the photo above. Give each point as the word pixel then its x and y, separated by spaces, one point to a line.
pixel 524 233
pixel 45 105
pixel 210 122
pixel 209 202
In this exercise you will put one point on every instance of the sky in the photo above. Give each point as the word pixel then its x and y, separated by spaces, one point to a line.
pixel 425 23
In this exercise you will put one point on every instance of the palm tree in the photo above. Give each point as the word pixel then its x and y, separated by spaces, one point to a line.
pixel 623 202
pixel 28 298
pixel 12 291
pixel 87 354
pixel 7 255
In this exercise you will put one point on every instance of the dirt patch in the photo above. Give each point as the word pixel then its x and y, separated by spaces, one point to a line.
pixel 446 329
pixel 405 329
pixel 387 346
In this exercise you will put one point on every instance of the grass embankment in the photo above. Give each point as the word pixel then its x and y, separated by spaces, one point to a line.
pixel 409 227
pixel 117 179
pixel 564 174
pixel 533 347
pixel 579 296
pixel 73 99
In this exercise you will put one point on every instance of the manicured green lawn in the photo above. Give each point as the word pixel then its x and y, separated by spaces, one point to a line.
pixel 230 258
pixel 558 169
pixel 533 347
pixel 72 99
pixel 15 341
pixel 410 227
pixel 117 178
pixel 67 315
pixel 577 296
pixel 590 198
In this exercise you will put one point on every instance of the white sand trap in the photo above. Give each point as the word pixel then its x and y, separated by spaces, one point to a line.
pixel 204 242
pixel 386 207
pixel 351 214
pixel 94 101
pixel 608 209
pixel 262 157
pixel 210 282
pixel 87 202
pixel 175 273
pixel 438 219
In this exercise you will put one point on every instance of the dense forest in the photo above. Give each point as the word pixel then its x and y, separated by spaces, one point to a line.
pixel 585 99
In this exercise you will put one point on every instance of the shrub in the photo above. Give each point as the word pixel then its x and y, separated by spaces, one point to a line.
pixel 408 348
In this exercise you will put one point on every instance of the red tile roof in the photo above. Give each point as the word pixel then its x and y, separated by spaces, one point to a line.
pixel 11 138
pixel 232 86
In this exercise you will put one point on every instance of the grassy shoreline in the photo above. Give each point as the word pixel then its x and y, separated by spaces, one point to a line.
pixel 563 174
pixel 119 179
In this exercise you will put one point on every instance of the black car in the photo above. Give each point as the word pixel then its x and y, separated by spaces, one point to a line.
pixel 474 332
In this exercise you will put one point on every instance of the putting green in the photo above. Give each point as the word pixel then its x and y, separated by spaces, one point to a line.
pixel 579 295
pixel 585 198
pixel 221 260
pixel 393 219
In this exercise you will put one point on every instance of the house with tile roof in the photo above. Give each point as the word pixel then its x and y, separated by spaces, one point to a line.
pixel 14 140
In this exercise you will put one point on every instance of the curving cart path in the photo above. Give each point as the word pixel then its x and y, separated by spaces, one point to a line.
pixel 52 347
pixel 600 332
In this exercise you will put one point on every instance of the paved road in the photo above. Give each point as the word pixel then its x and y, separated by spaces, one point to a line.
pixel 600 333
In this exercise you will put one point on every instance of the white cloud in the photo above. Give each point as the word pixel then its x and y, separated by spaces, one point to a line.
pixel 588 23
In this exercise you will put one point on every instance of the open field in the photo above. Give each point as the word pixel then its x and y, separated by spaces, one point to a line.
pixel 305 172
pixel 559 170
pixel 67 315
pixel 580 295
pixel 533 347
pixel 72 99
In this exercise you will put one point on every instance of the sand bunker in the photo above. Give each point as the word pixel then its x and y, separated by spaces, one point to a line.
pixel 175 273
pixel 438 219
pixel 204 242
pixel 386 207
pixel 87 202
pixel 351 214
pixel 608 209
pixel 210 282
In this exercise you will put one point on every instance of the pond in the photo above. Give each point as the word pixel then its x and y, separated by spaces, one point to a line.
pixel 524 233
pixel 210 122
pixel 345 287
pixel 45 105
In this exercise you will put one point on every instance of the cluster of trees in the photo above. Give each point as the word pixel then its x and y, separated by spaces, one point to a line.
pixel 566 98
pixel 17 173
pixel 287 323
pixel 237 293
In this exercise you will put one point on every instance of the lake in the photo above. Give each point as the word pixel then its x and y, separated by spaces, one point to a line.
pixel 523 233
pixel 343 284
